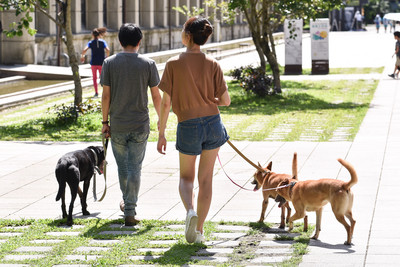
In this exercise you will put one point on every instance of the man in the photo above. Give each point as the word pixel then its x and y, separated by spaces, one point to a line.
pixel 125 78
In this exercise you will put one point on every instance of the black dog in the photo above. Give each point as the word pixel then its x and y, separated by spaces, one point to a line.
pixel 74 167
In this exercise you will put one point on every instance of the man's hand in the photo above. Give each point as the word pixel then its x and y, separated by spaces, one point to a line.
pixel 106 130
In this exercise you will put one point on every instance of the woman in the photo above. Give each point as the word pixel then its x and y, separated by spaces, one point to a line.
pixel 98 46
pixel 194 85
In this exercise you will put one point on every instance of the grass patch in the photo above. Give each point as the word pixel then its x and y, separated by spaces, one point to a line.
pixel 349 71
pixel 95 247
pixel 307 110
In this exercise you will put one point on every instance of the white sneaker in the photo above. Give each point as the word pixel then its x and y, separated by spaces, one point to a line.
pixel 190 229
pixel 199 238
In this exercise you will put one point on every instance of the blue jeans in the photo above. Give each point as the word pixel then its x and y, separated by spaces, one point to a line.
pixel 129 150
pixel 204 133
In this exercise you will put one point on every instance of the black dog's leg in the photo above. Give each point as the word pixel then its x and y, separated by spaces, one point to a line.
pixel 84 197
pixel 73 183
pixel 63 207
pixel 74 192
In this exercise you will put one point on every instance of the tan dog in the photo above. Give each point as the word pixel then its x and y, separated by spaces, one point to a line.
pixel 268 181
pixel 313 195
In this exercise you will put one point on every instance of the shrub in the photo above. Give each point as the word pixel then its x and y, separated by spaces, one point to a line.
pixel 253 80
pixel 69 114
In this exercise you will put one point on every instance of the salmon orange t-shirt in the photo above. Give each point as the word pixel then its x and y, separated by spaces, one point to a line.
pixel 193 81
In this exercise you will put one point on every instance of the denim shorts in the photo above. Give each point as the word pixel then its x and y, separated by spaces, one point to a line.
pixel 205 133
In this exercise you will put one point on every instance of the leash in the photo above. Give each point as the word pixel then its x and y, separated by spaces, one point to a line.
pixel 241 187
pixel 105 145
pixel 245 158
pixel 254 190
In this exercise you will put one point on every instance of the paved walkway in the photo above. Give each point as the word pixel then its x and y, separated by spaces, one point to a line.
pixel 28 186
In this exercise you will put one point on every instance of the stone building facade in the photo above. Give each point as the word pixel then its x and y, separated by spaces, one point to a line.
pixel 160 23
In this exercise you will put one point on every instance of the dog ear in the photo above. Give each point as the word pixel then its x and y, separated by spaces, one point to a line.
pixel 269 167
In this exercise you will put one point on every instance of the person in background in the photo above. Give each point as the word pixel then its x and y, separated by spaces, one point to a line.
pixel 358 19
pixel 377 21
pixel 194 85
pixel 102 31
pixel 385 23
pixel 125 78
pixel 100 51
pixel 397 53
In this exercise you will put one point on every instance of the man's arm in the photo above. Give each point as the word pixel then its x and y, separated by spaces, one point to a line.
pixel 155 95
pixel 105 108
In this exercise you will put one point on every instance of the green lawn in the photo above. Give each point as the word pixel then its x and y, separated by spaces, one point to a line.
pixel 310 111
pixel 122 247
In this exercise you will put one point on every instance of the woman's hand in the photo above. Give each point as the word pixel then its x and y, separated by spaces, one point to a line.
pixel 161 145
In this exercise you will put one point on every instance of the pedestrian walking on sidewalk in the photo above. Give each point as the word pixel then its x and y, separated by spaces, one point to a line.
pixel 126 78
pixel 193 83
pixel 377 21
pixel 99 50
pixel 397 53
pixel 385 23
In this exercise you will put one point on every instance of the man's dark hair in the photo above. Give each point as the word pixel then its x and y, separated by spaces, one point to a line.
pixel 129 34
pixel 397 34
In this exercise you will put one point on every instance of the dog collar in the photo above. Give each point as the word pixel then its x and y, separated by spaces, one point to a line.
pixel 292 184
pixel 95 157
pixel 96 160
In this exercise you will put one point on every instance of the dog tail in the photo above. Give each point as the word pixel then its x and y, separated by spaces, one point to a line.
pixel 294 166
pixel 353 174
pixel 61 179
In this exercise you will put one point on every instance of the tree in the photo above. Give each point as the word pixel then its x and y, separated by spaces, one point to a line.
pixel 23 8
pixel 374 7
pixel 265 16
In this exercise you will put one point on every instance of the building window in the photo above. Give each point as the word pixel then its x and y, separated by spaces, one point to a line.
pixel 105 12
pixel 83 14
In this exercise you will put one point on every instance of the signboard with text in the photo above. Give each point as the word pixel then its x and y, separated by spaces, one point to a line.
pixel 319 34
pixel 293 30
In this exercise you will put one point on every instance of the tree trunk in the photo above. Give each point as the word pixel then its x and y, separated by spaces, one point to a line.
pixel 263 62
pixel 73 60
pixel 273 62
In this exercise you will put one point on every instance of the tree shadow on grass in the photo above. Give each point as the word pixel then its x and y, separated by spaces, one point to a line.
pixel 252 105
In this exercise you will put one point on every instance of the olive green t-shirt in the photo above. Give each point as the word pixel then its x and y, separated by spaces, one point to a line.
pixel 129 75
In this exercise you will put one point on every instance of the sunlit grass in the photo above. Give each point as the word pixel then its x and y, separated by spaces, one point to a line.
pixel 308 108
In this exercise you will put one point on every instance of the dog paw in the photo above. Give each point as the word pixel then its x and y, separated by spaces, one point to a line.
pixel 282 226
pixel 85 212
pixel 348 243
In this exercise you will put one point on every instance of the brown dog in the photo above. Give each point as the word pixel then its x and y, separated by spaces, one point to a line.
pixel 268 181
pixel 313 195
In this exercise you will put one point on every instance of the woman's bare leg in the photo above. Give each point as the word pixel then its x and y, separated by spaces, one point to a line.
pixel 205 175
pixel 187 173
